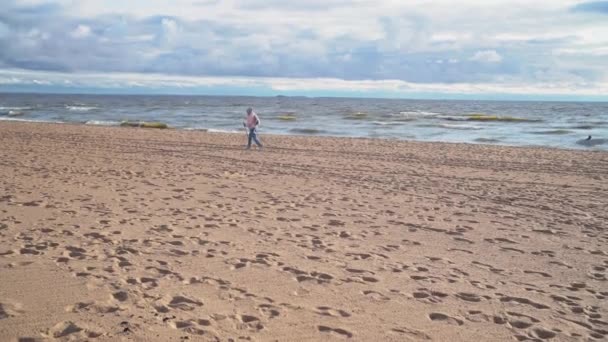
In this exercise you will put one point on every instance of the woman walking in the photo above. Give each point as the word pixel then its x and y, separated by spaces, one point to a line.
pixel 251 123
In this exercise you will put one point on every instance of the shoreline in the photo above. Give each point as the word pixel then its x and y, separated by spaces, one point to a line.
pixel 593 149
pixel 111 233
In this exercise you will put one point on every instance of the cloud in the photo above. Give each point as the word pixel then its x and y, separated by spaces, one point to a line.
pixel 81 31
pixel 417 42
pixel 169 26
pixel 135 83
pixel 487 56
pixel 4 30
pixel 310 5
pixel 594 6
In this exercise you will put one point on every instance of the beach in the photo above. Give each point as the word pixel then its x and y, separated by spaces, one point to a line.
pixel 113 233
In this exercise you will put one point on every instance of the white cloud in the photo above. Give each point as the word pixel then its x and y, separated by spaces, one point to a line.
pixel 590 51
pixel 487 56
pixel 140 38
pixel 416 42
pixel 451 36
pixel 35 34
pixel 278 84
pixel 169 26
pixel 41 82
pixel 81 31
pixel 4 30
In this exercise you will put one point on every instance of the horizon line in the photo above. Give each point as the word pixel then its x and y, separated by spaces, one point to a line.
pixel 436 97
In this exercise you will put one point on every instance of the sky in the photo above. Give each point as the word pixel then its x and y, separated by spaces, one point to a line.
pixel 484 49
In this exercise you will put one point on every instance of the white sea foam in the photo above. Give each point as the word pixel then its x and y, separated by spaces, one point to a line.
pixel 460 126
pixel 4 118
pixel 387 123
pixel 410 114
pixel 102 123
pixel 213 130
pixel 81 108
pixel 14 108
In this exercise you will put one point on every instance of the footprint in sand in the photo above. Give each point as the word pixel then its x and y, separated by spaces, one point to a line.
pixel 469 297
pixel 526 301
pixel 72 331
pixel 427 296
pixel 302 276
pixel 193 327
pixel 479 316
pixel 10 309
pixel 375 295
pixel 417 335
pixel 92 306
pixel 510 249
pixel 120 296
pixel 443 318
pixel 543 274
pixel 337 331
pixel 269 311
pixel 248 322
pixel 327 311
pixel 75 252
pixel 184 303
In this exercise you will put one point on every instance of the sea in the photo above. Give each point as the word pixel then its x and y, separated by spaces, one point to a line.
pixel 547 124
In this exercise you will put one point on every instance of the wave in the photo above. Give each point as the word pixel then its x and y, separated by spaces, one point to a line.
pixel 309 131
pixel 81 108
pixel 102 123
pixel 485 117
pixel 487 140
pixel 452 118
pixel 590 125
pixel 213 130
pixel 144 124
pixel 419 114
pixel 217 130
pixel 387 123
pixel 2 109
pixel 460 126
pixel 554 132
pixel 356 116
pixel 287 117
pixel 3 118
pixel 15 113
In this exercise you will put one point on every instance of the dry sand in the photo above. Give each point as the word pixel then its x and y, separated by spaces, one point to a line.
pixel 132 234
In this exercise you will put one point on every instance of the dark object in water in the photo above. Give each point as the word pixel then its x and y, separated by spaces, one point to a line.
pixel 144 124
pixel 592 142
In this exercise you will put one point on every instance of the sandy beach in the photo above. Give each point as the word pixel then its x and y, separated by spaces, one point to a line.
pixel 115 234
